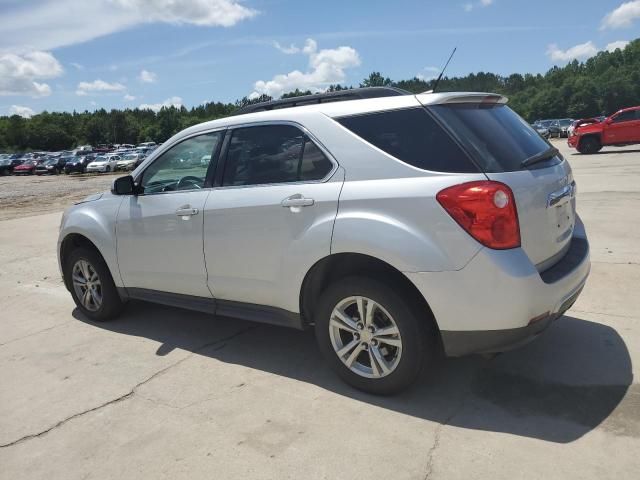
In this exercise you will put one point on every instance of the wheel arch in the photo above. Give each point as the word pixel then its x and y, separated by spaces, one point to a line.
pixel 339 265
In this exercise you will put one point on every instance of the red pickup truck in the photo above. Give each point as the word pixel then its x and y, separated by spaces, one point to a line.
pixel 621 128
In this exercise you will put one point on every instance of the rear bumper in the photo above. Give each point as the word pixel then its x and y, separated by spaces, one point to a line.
pixel 499 300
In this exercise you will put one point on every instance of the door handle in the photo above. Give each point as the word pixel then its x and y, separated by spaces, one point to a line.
pixel 186 211
pixel 297 201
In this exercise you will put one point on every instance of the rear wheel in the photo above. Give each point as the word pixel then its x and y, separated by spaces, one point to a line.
pixel 589 145
pixel 373 337
pixel 108 169
pixel 92 286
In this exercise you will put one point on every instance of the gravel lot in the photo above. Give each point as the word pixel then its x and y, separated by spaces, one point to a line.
pixel 164 393
pixel 22 196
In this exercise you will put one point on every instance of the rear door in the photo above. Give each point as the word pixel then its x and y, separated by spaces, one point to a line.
pixel 499 141
pixel 271 215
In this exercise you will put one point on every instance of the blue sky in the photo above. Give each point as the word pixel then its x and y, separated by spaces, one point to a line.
pixel 75 54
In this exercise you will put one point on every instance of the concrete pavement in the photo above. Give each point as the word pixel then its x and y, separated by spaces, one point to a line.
pixel 165 393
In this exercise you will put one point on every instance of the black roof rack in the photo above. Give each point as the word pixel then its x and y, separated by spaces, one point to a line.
pixel 339 96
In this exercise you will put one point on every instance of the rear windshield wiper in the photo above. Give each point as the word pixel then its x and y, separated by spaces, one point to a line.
pixel 540 157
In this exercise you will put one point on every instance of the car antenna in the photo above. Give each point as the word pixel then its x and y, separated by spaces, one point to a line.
pixel 435 85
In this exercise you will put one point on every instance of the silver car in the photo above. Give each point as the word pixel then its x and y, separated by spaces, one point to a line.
pixel 393 224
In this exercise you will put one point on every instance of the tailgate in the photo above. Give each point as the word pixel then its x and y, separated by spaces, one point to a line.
pixel 499 140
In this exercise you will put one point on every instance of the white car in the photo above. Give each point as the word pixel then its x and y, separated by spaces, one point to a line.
pixel 104 164
pixel 393 224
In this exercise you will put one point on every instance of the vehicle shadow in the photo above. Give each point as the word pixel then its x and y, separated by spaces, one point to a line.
pixel 557 388
pixel 609 152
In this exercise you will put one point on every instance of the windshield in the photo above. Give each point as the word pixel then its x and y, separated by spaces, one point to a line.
pixel 497 137
pixel 566 122
pixel 131 156
pixel 4 161
pixel 100 159
pixel 51 161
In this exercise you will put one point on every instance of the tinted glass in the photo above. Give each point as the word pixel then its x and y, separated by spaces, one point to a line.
pixel 625 116
pixel 413 136
pixel 182 167
pixel 273 154
pixel 497 137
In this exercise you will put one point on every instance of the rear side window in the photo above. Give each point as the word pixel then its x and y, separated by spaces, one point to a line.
pixel 497 137
pixel 273 154
pixel 412 136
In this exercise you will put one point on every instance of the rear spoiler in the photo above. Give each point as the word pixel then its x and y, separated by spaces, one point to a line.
pixel 429 98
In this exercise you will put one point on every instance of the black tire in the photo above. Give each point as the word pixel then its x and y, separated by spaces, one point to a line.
pixel 108 169
pixel 589 145
pixel 419 337
pixel 112 304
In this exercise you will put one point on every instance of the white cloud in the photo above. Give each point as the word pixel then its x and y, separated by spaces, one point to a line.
pixel 623 16
pixel 578 52
pixel 56 27
pixel 19 74
pixel 325 67
pixel 482 3
pixel 290 50
pixel 611 47
pixel 156 107
pixel 25 112
pixel 147 76
pixel 85 88
pixel 129 98
pixel 428 73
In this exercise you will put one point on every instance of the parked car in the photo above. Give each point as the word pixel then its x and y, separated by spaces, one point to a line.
pixel 620 129
pixel 28 167
pixel 337 216
pixel 129 161
pixel 542 131
pixel 78 164
pixel 103 163
pixel 49 165
pixel 146 145
pixel 564 124
pixel 7 165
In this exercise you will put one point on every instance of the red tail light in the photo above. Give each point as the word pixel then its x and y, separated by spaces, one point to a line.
pixel 486 210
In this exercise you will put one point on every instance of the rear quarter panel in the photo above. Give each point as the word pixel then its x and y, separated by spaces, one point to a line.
pixel 400 222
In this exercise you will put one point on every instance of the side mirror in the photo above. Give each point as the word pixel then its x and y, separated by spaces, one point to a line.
pixel 123 186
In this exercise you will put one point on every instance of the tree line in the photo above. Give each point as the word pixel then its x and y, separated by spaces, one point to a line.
pixel 598 86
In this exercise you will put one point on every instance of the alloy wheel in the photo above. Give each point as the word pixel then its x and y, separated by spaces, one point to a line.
pixel 365 337
pixel 87 285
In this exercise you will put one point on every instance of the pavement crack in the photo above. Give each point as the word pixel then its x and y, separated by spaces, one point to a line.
pixel 35 333
pixel 131 392
pixel 436 441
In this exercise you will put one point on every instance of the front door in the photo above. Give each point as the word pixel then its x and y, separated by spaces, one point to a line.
pixel 159 231
pixel 624 128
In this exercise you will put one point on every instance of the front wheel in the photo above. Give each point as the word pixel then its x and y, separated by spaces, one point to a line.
pixel 375 339
pixel 589 145
pixel 92 286
pixel 107 169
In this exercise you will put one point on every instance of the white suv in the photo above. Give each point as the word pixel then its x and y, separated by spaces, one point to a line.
pixel 395 224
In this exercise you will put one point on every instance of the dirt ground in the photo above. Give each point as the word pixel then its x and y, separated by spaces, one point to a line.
pixel 163 393
pixel 27 195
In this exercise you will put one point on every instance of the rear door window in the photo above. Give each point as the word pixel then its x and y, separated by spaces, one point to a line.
pixel 412 136
pixel 497 137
